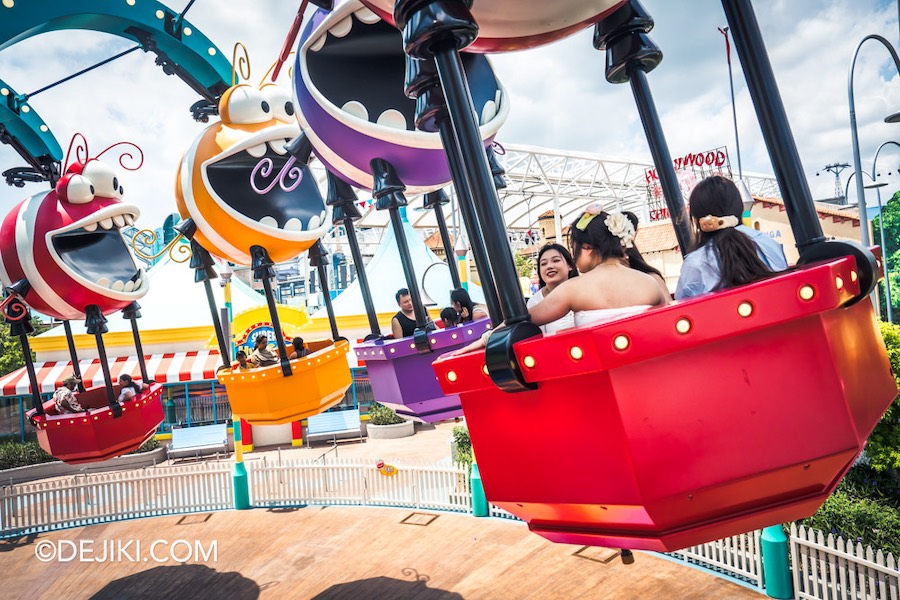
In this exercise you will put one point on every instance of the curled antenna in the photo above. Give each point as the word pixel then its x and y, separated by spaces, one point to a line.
pixel 81 150
pixel 240 64
pixel 272 68
pixel 177 252
pixel 126 155
pixel 498 148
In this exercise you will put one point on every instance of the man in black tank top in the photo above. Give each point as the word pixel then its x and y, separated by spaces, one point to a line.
pixel 404 322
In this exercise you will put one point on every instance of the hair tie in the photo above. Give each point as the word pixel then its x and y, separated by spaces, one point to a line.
pixel 710 223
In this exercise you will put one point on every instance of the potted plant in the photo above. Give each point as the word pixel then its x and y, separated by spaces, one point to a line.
pixel 385 424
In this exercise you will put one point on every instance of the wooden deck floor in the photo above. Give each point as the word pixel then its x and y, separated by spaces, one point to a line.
pixel 340 553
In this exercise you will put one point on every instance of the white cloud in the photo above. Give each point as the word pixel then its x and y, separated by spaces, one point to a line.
pixel 559 95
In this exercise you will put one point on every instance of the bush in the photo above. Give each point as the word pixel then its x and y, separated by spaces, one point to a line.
pixel 380 414
pixel 864 508
pixel 462 446
pixel 14 453
pixel 883 446
pixel 18 454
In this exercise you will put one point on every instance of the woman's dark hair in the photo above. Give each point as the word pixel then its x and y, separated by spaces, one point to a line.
pixel 450 317
pixel 573 272
pixel 461 297
pixel 739 261
pixel 635 258
pixel 297 343
pixel 241 354
pixel 261 337
pixel 598 237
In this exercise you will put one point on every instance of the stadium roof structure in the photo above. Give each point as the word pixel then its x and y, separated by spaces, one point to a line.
pixel 541 179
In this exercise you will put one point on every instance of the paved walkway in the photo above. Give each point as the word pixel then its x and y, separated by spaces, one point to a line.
pixel 337 553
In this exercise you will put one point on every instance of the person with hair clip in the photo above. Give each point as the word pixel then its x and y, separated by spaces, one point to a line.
pixel 555 265
pixel 468 310
pixel 725 253
pixel 635 259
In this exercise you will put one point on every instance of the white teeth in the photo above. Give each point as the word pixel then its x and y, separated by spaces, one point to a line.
pixel 356 109
pixel 488 112
pixel 497 98
pixel 392 118
pixel 106 224
pixel 129 219
pixel 367 16
pixel 313 222
pixel 103 282
pixel 117 286
pixel 269 222
pixel 342 27
pixel 129 285
pixel 90 227
pixel 138 283
pixel 322 216
pixel 293 224
pixel 119 220
pixel 317 45
pixel 257 151
pixel 278 147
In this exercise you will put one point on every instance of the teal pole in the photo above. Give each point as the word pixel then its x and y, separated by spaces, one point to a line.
pixel 479 500
pixel 241 483
pixel 776 564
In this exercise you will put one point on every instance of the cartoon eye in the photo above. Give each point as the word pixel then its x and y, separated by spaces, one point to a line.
pixel 106 184
pixel 280 101
pixel 78 190
pixel 244 105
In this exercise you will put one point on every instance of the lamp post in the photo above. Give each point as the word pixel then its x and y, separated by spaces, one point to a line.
pixel 884 260
pixel 854 134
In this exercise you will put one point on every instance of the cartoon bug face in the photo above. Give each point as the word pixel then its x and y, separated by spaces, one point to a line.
pixel 242 189
pixel 349 80
pixel 66 243
pixel 505 25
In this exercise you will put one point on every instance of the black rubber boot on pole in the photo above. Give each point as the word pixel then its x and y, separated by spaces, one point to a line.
pixel 318 259
pixel 73 355
pixel 132 312
pixel 262 269
pixel 18 317
pixel 436 201
pixel 95 324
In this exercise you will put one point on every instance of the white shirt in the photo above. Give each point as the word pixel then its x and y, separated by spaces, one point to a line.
pixel 700 272
pixel 564 322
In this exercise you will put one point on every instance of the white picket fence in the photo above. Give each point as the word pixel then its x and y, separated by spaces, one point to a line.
pixel 738 556
pixel 824 568
pixel 831 568
pixel 102 497
pixel 359 482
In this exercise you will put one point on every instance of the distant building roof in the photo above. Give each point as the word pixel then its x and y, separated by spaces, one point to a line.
pixel 656 237
pixel 839 215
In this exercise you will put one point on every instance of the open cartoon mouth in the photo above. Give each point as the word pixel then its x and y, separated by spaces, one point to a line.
pixel 355 64
pixel 94 251
pixel 268 188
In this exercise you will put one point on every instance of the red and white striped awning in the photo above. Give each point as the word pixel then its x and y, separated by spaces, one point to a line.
pixel 164 368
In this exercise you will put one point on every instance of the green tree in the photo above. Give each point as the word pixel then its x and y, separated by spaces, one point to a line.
pixel 883 446
pixel 10 350
pixel 524 265
pixel 891 252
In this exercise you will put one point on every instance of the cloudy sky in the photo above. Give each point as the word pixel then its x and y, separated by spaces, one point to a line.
pixel 560 98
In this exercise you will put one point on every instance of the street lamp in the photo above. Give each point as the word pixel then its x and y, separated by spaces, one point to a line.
pixel 884 260
pixel 860 191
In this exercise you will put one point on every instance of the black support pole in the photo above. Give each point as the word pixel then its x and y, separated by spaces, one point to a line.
pixel 388 194
pixel 18 317
pixel 132 312
pixel 204 273
pixel 73 354
pixel 95 324
pixel 630 55
pixel 437 200
pixel 366 291
pixel 470 221
pixel 343 199
pixel 317 258
pixel 484 194
pixel 773 122
pixel 262 269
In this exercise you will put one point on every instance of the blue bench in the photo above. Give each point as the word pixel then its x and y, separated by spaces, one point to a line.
pixel 197 441
pixel 332 424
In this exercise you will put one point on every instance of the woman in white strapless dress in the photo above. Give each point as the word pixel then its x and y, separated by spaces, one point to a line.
pixel 607 288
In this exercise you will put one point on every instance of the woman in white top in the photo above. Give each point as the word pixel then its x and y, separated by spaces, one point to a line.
pixel 607 288
pixel 555 265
